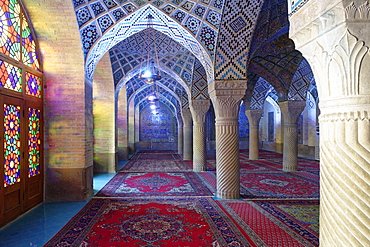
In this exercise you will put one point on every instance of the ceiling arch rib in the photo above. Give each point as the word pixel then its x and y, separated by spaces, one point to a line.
pixel 141 101
pixel 95 46
pixel 133 75
pixel 136 85
pixel 172 88
pixel 128 55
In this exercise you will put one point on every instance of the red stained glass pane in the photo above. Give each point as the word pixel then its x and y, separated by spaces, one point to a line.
pixel 10 76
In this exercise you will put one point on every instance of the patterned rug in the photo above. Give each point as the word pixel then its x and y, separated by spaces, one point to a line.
pixel 278 185
pixel 155 166
pixel 277 222
pixel 131 184
pixel 155 156
pixel 149 223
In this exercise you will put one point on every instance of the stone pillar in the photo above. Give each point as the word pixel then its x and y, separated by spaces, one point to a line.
pixel 131 126
pixel 226 97
pixel 180 134
pixel 254 117
pixel 199 108
pixel 188 134
pixel 122 124
pixel 291 111
pixel 104 118
pixel 337 47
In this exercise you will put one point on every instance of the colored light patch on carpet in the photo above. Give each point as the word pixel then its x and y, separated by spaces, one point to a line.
pixel 155 166
pixel 143 222
pixel 278 185
pixel 276 223
pixel 155 184
pixel 155 156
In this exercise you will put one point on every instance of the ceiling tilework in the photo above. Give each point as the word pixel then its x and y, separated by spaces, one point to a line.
pixel 193 15
pixel 133 24
pixel 136 87
pixel 164 96
pixel 235 35
pixel 200 86
pixel 273 55
pixel 260 93
pixel 128 55
pixel 302 80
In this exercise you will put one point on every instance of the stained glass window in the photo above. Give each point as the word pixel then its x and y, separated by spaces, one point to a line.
pixel 10 28
pixel 11 144
pixel 33 85
pixel 10 76
pixel 33 142
pixel 29 54
pixel 16 36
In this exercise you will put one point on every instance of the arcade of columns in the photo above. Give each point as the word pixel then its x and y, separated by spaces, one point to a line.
pixel 333 36
pixel 333 39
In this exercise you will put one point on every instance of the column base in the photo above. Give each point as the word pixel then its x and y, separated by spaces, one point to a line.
pixel 228 195
pixel 290 169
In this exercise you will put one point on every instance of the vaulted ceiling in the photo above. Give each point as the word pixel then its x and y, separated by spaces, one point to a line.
pixel 197 42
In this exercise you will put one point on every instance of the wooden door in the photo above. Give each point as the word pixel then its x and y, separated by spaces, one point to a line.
pixel 21 156
pixel 33 193
pixel 11 152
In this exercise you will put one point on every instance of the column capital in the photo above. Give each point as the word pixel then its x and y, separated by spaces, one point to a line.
pixel 226 96
pixel 291 110
pixel 254 116
pixel 186 117
pixel 199 109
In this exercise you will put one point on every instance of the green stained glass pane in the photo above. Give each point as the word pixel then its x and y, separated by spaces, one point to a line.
pixel 12 144
pixel 34 142
pixel 10 76
pixel 30 57
pixel 10 39
pixel 33 85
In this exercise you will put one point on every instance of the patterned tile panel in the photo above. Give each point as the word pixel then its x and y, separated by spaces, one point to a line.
pixel 260 93
pixel 235 34
pixel 199 87
pixel 301 81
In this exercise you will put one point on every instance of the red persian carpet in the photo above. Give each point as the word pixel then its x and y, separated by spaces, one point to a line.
pixel 155 156
pixel 277 222
pixel 149 223
pixel 155 184
pixel 278 185
pixel 155 166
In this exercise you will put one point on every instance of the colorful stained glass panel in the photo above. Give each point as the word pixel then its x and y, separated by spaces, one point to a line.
pixel 33 85
pixel 10 76
pixel 29 54
pixel 34 142
pixel 10 28
pixel 12 143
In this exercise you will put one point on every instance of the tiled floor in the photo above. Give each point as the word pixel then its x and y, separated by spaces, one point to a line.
pixel 37 226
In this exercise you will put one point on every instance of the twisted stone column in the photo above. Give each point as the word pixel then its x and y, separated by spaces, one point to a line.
pixel 291 111
pixel 254 117
pixel 187 134
pixel 339 56
pixel 226 97
pixel 199 109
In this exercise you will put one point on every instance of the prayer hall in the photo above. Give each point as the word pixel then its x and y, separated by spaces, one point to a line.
pixel 185 123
